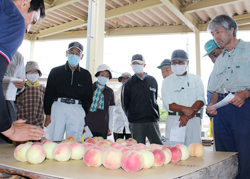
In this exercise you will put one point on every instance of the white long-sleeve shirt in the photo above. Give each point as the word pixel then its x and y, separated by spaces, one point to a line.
pixel 15 69
pixel 120 119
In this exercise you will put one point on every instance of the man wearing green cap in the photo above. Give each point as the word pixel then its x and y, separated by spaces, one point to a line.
pixel 165 68
pixel 213 51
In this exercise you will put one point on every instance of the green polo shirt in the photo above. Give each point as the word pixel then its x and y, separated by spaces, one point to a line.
pixel 231 71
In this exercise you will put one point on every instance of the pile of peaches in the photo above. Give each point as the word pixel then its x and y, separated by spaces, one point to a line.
pixel 96 151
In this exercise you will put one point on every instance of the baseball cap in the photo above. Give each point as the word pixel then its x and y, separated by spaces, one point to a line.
pixel 138 58
pixel 124 75
pixel 210 46
pixel 75 45
pixel 32 65
pixel 180 55
pixel 165 62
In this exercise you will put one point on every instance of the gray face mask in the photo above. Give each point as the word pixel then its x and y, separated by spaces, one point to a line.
pixel 32 77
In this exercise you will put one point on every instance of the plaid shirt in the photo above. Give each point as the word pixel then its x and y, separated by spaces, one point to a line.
pixel 30 105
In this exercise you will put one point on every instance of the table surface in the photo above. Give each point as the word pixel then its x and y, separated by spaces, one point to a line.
pixel 77 169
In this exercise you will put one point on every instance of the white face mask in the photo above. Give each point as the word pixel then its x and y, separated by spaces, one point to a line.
pixel 179 69
pixel 137 69
pixel 32 77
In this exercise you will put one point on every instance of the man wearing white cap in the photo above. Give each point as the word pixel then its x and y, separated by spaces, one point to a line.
pixel 68 97
pixel 120 123
pixel 139 102
pixel 183 97
pixel 100 116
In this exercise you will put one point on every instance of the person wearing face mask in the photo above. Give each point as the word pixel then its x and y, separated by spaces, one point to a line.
pixel 139 102
pixel 30 102
pixel 100 116
pixel 165 68
pixel 183 97
pixel 16 17
pixel 68 96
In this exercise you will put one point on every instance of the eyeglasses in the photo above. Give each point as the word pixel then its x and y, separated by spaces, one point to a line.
pixel 78 53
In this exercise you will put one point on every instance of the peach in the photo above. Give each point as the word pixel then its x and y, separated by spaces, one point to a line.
pixel 148 148
pixel 88 145
pixel 20 152
pixel 36 154
pixel 29 143
pixel 132 161
pixel 196 149
pixel 122 142
pixel 119 146
pixel 108 141
pixel 66 141
pixel 71 138
pixel 125 150
pixel 96 139
pixel 176 154
pixel 140 145
pixel 77 150
pixel 90 140
pixel 48 147
pixel 184 151
pixel 100 139
pixel 62 152
pixel 159 157
pixel 37 143
pixel 104 149
pixel 111 159
pixel 92 158
pixel 95 147
pixel 168 155
pixel 149 159
pixel 156 146
pixel 131 140
pixel 45 141
pixel 102 144
pixel 112 144
pixel 120 139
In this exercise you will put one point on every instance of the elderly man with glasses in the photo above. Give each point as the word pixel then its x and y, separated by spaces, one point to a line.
pixel 183 97
pixel 68 96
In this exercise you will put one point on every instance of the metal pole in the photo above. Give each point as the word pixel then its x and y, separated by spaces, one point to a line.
pixel 89 33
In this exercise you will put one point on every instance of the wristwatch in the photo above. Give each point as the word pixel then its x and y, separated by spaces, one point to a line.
pixel 248 90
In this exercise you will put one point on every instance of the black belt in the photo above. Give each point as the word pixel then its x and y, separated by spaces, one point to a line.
pixel 69 101
pixel 222 96
pixel 180 113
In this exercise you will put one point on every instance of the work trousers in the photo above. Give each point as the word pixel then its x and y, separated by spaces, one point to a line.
pixel 67 118
pixel 121 136
pixel 140 131
pixel 232 132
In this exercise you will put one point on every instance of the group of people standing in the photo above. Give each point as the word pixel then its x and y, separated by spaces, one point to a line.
pixel 71 101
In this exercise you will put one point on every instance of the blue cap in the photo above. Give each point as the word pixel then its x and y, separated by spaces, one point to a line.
pixel 165 62
pixel 210 46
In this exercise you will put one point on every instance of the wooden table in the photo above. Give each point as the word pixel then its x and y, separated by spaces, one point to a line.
pixel 211 165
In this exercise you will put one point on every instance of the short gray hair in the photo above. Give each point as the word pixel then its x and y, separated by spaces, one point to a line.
pixel 224 21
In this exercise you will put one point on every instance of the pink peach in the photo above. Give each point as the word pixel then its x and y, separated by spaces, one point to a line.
pixel 111 159
pixel 132 161
pixel 184 151
pixel 45 141
pixel 62 152
pixel 36 154
pixel 176 154
pixel 168 155
pixel 37 143
pixel 159 157
pixel 77 150
pixel 71 138
pixel 90 140
pixel 88 145
pixel 93 158
pixel 20 152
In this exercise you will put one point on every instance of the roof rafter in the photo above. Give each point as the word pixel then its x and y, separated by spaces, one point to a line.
pixel 175 7
pixel 206 4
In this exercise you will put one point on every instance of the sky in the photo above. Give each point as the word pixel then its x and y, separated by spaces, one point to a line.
pixel 118 52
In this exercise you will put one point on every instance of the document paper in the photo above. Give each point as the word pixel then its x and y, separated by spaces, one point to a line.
pixel 177 134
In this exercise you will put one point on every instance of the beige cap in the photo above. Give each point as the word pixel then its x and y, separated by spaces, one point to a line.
pixel 103 67
pixel 32 65
pixel 124 75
